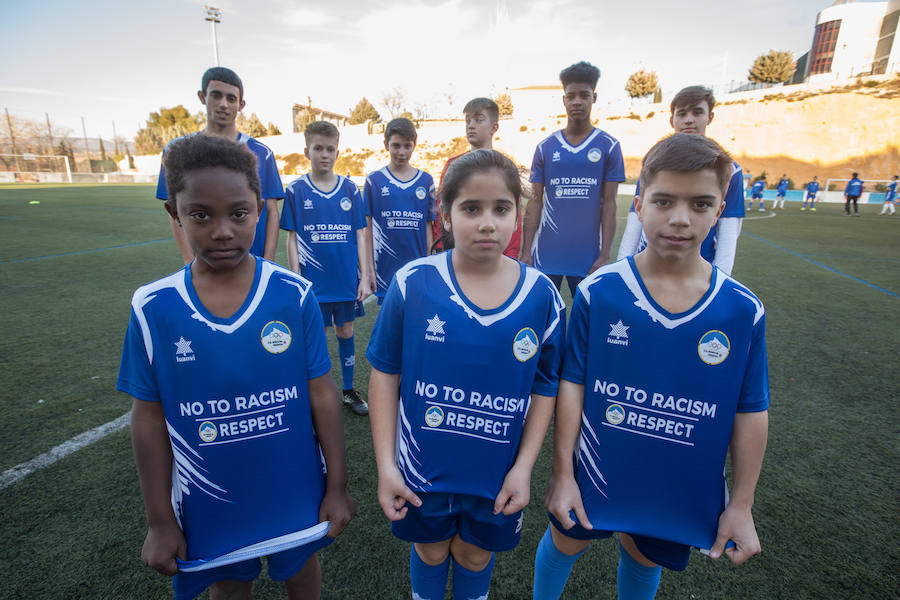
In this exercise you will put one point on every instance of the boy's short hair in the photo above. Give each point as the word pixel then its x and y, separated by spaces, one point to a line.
pixel 687 153
pixel 402 127
pixel 323 128
pixel 692 95
pixel 855 175
pixel 199 151
pixel 580 72
pixel 223 74
pixel 485 104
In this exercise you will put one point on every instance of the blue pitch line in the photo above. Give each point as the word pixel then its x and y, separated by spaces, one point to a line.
pixel 12 218
pixel 31 258
pixel 824 266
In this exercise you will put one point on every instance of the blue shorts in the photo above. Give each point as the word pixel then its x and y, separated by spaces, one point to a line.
pixel 671 555
pixel 572 280
pixel 341 312
pixel 443 516
pixel 282 565
pixel 756 196
pixel 780 194
pixel 810 196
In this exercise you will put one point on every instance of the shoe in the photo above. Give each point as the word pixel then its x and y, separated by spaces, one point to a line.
pixel 762 210
pixel 803 208
pixel 812 209
pixel 855 214
pixel 354 402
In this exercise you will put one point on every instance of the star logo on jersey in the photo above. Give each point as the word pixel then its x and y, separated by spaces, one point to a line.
pixel 618 334
pixel 385 191
pixel 714 347
pixel 420 193
pixel 556 156
pixel 435 330
pixel 346 204
pixel 183 351
pixel 307 204
pixel 275 337
pixel 594 154
pixel 525 344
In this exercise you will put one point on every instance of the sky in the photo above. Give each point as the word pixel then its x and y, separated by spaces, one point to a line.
pixel 112 61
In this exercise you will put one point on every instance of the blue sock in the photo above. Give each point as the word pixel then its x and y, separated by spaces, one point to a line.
pixel 347 355
pixel 635 581
pixel 428 581
pixel 551 568
pixel 471 585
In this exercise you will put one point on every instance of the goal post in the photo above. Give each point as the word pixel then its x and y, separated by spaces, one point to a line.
pixel 35 167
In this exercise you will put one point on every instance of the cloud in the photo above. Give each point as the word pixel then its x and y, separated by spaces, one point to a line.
pixel 27 90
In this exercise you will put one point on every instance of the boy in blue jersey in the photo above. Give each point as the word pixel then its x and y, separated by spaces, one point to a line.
pixel 852 193
pixel 781 191
pixel 812 190
pixel 326 220
pixel 234 407
pixel 692 112
pixel 222 93
pixel 890 194
pixel 570 220
pixel 756 193
pixel 400 207
pixel 665 369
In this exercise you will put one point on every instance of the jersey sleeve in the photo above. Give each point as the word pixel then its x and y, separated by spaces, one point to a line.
pixel 734 197
pixel 755 389
pixel 359 210
pixel 546 379
pixel 367 198
pixel 615 164
pixel 385 351
pixel 537 166
pixel 135 373
pixel 318 362
pixel 575 361
pixel 289 210
pixel 270 180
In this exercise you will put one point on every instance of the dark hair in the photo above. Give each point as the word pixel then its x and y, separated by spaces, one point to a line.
pixel 459 172
pixel 691 96
pixel 855 175
pixel 198 151
pixel 580 72
pixel 223 74
pixel 402 127
pixel 485 104
pixel 323 128
pixel 687 153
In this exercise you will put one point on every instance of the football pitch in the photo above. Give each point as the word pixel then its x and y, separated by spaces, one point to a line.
pixel 827 505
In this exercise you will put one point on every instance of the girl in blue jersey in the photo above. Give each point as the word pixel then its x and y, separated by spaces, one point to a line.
pixel 466 344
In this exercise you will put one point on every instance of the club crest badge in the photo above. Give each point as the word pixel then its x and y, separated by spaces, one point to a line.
pixel 525 344
pixel 275 337
pixel 207 431
pixel 594 154
pixel 421 193
pixel 346 204
pixel 434 416
pixel 713 347
pixel 615 414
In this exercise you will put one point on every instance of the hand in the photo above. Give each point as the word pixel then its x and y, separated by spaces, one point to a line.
pixel 736 524
pixel 338 507
pixel 162 544
pixel 363 290
pixel 514 493
pixel 563 497
pixel 393 494
pixel 603 259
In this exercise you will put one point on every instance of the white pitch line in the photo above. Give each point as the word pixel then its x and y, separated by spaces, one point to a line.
pixel 767 216
pixel 19 472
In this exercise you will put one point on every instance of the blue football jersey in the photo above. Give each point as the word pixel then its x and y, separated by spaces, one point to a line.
pixel 783 186
pixel 466 373
pixel 567 241
pixel 890 192
pixel 400 212
pixel 812 188
pixel 734 208
pixel 758 187
pixel 854 187
pixel 235 395
pixel 326 224
pixel 660 395
pixel 269 181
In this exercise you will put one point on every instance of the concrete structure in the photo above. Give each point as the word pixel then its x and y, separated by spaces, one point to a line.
pixel 305 113
pixel 846 36
pixel 887 52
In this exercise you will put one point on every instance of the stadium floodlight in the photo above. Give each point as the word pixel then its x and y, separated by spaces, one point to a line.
pixel 214 15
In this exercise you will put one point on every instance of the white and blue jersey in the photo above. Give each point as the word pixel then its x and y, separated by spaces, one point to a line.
pixel 269 182
pixel 891 191
pixel 734 208
pixel 661 391
pixel 400 212
pixel 567 241
pixel 812 188
pixel 246 466
pixel 466 373
pixel 854 188
pixel 782 187
pixel 757 189
pixel 326 224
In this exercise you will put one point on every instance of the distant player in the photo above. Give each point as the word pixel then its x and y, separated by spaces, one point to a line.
pixel 234 407
pixel 781 191
pixel 400 207
pixel 665 370
pixel 466 344
pixel 326 220
pixel 570 220
pixel 756 193
pixel 852 193
pixel 890 195
pixel 222 93
pixel 692 112
pixel 482 121
pixel 812 190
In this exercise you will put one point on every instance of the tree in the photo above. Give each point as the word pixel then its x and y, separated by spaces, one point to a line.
pixel 504 103
pixel 364 111
pixel 251 126
pixel 394 102
pixel 775 67
pixel 102 150
pixel 642 83
pixel 166 125
pixel 657 96
pixel 272 129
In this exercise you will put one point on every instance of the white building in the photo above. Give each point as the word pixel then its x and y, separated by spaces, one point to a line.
pixel 852 38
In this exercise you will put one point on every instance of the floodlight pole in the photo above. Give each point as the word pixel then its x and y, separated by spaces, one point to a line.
pixel 214 15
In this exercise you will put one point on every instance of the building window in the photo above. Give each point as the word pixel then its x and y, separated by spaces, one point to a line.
pixel 886 42
pixel 824 42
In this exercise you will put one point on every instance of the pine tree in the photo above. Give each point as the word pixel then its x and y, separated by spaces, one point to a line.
pixel 775 67
pixel 642 83
pixel 504 103
pixel 364 111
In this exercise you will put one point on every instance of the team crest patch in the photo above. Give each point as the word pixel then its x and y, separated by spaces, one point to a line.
pixel 525 344
pixel 434 416
pixel 207 431
pixel 615 414
pixel 275 337
pixel 559 191
pixel 346 204
pixel 713 347
pixel 390 223
pixel 594 154
pixel 420 193
pixel 314 237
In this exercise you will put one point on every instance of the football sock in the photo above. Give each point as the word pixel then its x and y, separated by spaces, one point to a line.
pixel 472 585
pixel 428 581
pixel 635 581
pixel 347 354
pixel 551 568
